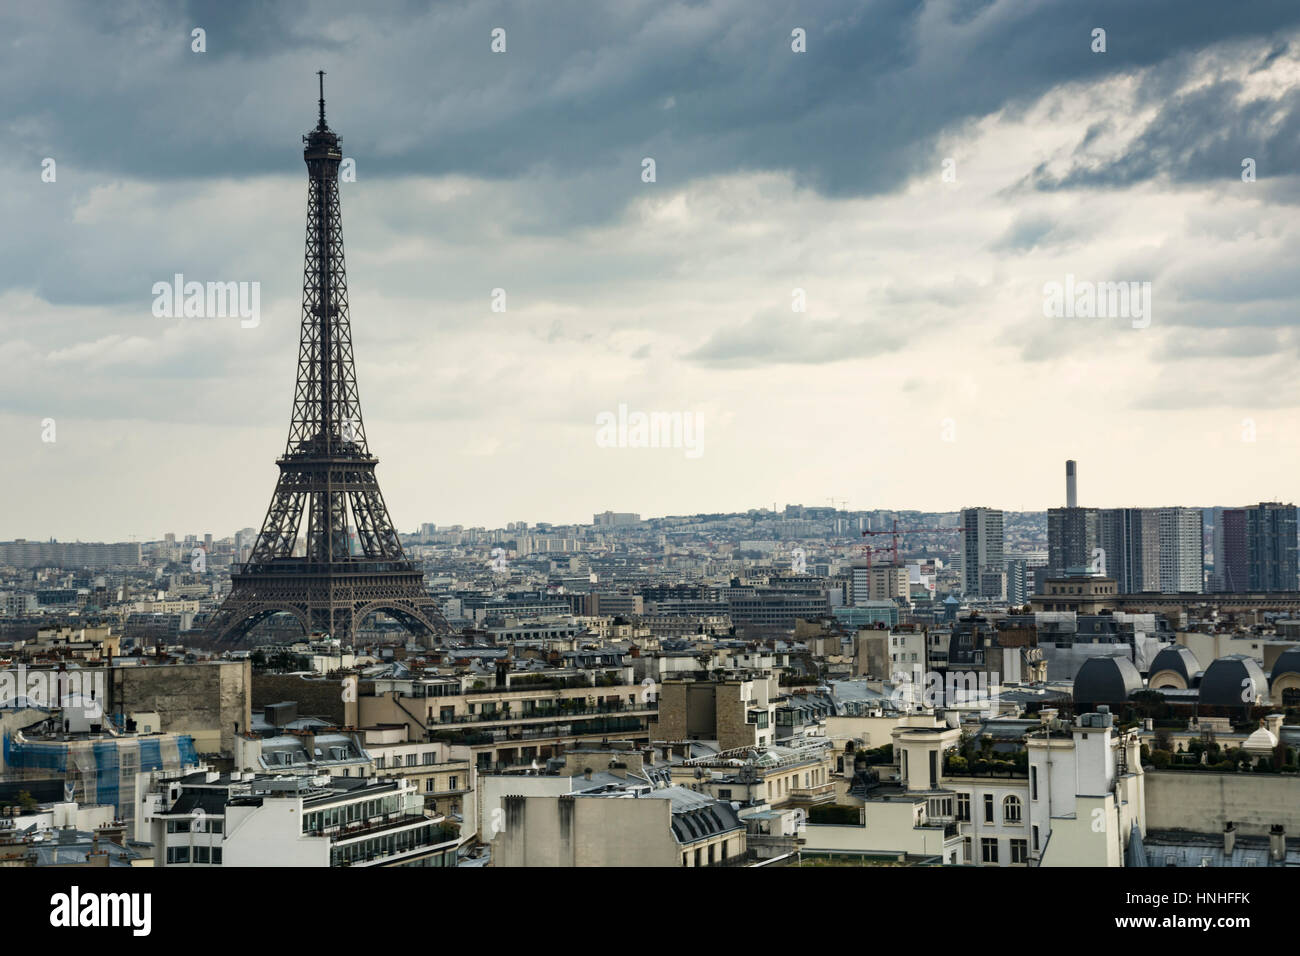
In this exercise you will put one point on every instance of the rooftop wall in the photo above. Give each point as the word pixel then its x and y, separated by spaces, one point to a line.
pixel 1203 801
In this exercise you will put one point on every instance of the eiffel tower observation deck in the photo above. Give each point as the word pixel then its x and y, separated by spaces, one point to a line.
pixel 352 565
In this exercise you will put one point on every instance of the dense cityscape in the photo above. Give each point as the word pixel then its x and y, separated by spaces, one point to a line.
pixel 707 262
pixel 789 692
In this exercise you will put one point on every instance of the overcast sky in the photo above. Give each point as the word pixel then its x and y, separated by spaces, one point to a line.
pixel 923 372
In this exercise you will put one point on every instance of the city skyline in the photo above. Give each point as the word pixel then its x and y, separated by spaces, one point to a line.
pixel 415 528
pixel 410 528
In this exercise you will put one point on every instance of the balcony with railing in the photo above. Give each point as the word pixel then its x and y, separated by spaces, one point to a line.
pixel 808 796
pixel 348 831
pixel 442 837
pixel 542 713
pixel 557 729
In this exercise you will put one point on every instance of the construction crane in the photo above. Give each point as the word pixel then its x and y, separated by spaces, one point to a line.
pixel 894 534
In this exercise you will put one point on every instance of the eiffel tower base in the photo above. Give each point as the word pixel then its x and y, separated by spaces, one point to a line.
pixel 332 602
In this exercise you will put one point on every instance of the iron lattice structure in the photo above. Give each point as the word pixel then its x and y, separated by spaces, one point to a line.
pixel 326 472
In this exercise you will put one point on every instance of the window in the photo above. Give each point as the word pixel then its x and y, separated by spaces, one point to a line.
pixel 988 808
pixel 428 785
pixel 724 794
pixel 989 850
pixel 200 854
pixel 963 808
pixel 1033 783
pixel 1035 838
pixel 1011 810
pixel 451 783
pixel 1019 851
pixel 216 855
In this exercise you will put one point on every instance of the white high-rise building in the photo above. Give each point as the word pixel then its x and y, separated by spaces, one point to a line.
pixel 1182 550
pixel 981 547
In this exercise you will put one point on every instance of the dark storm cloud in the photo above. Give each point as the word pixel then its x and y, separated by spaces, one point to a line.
pixel 704 87
pixel 1202 135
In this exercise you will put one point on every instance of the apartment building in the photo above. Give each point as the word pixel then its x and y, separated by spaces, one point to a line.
pixel 777 776
pixel 64 554
pixel 212 819
pixel 1271 563
pixel 881 582
pixel 1073 534
pixel 982 549
pixel 620 826
pixel 509 716
pixel 733 708
pixel 1078 802
pixel 443 774
pixel 1182 550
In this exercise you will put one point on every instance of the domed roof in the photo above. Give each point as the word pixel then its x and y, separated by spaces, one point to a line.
pixel 1288 662
pixel 1233 681
pixel 1106 680
pixel 1178 659
pixel 1261 741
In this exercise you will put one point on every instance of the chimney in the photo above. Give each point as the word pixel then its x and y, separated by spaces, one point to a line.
pixel 1071 486
pixel 1229 839
pixel 1277 843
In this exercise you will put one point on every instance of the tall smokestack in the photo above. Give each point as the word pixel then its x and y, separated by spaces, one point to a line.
pixel 1071 486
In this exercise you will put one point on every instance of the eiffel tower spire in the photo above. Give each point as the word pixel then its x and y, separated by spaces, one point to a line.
pixel 326 472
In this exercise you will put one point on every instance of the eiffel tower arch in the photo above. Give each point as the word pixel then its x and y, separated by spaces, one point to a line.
pixel 352 564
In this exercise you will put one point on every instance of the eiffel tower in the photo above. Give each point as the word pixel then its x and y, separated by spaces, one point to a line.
pixel 326 471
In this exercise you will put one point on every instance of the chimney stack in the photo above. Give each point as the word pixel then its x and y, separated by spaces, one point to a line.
pixel 1277 843
pixel 1229 839
pixel 1071 486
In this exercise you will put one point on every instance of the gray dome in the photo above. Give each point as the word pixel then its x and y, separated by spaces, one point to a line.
pixel 1106 680
pixel 1288 662
pixel 1178 659
pixel 1233 681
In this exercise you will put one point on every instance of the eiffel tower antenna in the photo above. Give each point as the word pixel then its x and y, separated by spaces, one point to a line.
pixel 321 125
pixel 327 473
